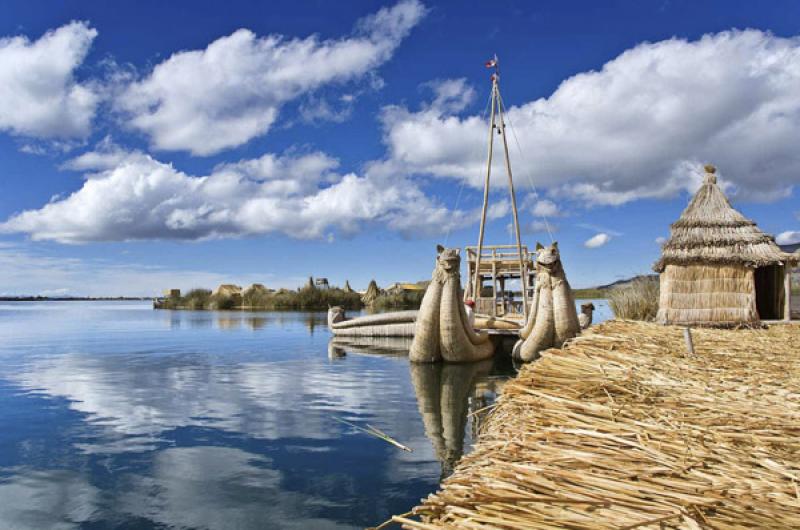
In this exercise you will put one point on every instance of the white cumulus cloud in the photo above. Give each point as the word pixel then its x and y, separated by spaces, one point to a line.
pixel 639 127
pixel 545 208
pixel 128 195
pixel 39 96
pixel 597 240
pixel 790 237
pixel 205 101
pixel 537 226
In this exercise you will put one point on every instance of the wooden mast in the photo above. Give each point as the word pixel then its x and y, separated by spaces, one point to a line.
pixel 497 105
pixel 476 293
pixel 522 272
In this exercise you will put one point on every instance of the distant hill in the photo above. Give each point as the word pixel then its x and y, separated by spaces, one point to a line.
pixel 601 291
pixel 626 281
pixel 69 298
pixel 794 247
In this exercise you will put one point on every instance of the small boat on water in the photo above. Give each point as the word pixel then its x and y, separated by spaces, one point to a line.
pixel 396 324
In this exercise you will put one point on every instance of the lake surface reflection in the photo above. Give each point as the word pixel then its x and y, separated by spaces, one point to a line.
pixel 113 415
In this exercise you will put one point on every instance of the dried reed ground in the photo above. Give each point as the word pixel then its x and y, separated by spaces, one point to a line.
pixel 624 429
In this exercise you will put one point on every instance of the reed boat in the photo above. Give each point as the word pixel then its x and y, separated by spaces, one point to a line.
pixel 500 282
pixel 395 324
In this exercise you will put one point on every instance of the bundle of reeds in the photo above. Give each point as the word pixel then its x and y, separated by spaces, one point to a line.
pixel 624 429
pixel 637 300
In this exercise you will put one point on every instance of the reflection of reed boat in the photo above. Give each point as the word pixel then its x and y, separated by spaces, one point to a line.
pixel 446 393
pixel 369 345
pixel 443 392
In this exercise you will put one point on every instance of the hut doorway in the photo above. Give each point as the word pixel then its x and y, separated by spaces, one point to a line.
pixel 769 292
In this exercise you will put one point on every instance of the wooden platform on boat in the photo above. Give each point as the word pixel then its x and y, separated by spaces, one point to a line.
pixel 623 428
pixel 499 268
pixel 508 326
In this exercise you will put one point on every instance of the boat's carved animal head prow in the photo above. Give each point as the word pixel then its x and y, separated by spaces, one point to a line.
pixel 335 314
pixel 548 258
pixel 587 308
pixel 448 260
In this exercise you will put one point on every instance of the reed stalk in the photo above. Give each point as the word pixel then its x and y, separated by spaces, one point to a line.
pixel 637 300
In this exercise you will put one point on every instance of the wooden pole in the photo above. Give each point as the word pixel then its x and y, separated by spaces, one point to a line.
pixel 494 282
pixel 687 336
pixel 503 293
pixel 787 286
pixel 522 270
pixel 476 291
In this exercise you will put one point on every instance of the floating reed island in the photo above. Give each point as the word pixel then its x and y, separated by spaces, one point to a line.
pixel 623 428
pixel 316 295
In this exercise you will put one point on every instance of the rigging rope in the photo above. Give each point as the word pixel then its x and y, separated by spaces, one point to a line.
pixel 461 187
pixel 527 174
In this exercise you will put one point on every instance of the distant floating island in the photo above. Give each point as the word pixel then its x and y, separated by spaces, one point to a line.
pixel 316 295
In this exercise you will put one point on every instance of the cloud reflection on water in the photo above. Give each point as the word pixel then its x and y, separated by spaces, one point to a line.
pixel 133 402
pixel 169 419
pixel 218 488
pixel 53 499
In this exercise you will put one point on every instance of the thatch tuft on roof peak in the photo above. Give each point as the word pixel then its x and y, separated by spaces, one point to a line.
pixel 711 231
pixel 710 173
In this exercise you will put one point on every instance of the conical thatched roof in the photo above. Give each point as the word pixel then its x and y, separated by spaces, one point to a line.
pixel 372 293
pixel 228 289
pixel 711 231
pixel 257 289
pixel 347 287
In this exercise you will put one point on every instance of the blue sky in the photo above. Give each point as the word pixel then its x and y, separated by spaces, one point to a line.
pixel 147 145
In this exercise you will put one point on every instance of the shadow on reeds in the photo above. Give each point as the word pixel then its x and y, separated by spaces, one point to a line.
pixel 637 300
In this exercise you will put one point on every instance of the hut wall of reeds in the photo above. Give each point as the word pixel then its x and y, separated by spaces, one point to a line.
pixel 717 268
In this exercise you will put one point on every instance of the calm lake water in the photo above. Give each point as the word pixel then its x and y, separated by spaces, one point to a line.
pixel 113 415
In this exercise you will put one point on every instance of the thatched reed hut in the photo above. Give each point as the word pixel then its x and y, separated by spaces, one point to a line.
pixel 718 269
pixel 372 293
pixel 228 290
pixel 257 289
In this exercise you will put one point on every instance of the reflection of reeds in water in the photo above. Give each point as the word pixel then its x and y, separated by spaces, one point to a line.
pixel 338 346
pixel 256 322
pixel 311 322
pixel 227 322
pixel 443 392
pixel 233 321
